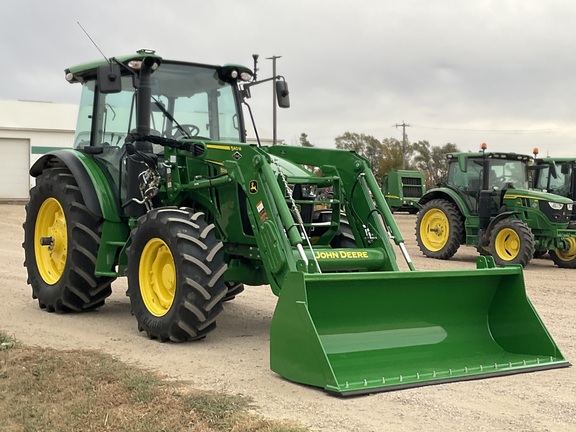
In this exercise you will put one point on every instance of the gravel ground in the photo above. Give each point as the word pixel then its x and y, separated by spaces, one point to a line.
pixel 234 358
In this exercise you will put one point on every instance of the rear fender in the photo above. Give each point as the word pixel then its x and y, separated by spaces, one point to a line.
pixel 100 200
pixel 445 194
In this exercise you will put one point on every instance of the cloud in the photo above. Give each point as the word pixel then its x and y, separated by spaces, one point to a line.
pixel 455 71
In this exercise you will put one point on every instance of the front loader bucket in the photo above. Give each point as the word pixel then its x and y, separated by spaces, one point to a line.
pixel 363 332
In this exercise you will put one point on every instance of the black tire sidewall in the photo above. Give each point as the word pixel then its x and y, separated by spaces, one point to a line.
pixel 78 288
pixel 157 224
pixel 47 294
pixel 525 236
pixel 456 228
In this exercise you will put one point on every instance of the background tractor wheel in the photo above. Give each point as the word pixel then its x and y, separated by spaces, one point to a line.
pixel 234 288
pixel 565 258
pixel 61 241
pixel 439 229
pixel 483 250
pixel 511 242
pixel 345 237
pixel 175 275
pixel 539 253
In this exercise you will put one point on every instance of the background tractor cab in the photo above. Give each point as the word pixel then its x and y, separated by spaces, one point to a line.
pixel 486 202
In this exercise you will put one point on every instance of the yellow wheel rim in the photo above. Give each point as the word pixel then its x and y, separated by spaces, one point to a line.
pixel 507 244
pixel 50 241
pixel 434 229
pixel 157 274
pixel 570 254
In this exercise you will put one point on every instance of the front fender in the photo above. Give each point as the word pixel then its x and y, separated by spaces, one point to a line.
pixel 498 218
pixel 94 185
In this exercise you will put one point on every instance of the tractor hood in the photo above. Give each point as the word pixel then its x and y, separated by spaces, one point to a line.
pixel 536 195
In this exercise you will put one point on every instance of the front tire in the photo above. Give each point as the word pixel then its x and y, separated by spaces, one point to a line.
pixel 439 229
pixel 565 258
pixel 61 241
pixel 175 275
pixel 511 242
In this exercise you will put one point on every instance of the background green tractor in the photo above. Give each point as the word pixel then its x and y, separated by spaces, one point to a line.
pixel 557 176
pixel 486 202
pixel 162 188
pixel 402 190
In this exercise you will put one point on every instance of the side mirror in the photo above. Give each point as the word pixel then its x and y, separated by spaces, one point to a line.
pixel 282 94
pixel 109 78
pixel 565 168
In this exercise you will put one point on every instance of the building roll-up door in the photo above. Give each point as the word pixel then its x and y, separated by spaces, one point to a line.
pixel 14 176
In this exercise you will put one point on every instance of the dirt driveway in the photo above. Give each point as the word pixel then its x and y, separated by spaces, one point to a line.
pixel 234 358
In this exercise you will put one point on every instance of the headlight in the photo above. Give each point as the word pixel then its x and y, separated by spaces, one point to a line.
pixel 555 205
pixel 570 206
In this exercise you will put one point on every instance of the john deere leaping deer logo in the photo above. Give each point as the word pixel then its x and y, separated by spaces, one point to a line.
pixel 253 187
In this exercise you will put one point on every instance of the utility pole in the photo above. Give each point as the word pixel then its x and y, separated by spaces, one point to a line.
pixel 404 139
pixel 274 121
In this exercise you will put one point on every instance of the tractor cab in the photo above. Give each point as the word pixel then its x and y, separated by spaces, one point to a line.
pixel 494 173
pixel 134 106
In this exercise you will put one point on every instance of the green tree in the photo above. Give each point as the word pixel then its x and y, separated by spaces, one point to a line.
pixel 393 154
pixel 364 145
pixel 304 142
pixel 431 160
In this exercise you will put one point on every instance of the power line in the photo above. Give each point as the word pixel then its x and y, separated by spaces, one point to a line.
pixel 502 131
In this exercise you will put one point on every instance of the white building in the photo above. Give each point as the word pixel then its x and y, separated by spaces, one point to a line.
pixel 29 129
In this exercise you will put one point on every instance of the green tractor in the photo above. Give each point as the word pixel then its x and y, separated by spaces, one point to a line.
pixel 558 176
pixel 486 202
pixel 402 189
pixel 162 188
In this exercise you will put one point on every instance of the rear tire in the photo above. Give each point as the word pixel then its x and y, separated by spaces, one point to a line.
pixel 175 275
pixel 511 242
pixel 61 272
pixel 565 258
pixel 439 229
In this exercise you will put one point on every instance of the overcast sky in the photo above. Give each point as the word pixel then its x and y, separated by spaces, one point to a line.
pixel 465 72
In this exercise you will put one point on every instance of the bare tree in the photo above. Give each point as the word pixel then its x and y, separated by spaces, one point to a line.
pixel 431 160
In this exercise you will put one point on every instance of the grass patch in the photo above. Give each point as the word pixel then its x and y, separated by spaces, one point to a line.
pixel 6 342
pixel 50 390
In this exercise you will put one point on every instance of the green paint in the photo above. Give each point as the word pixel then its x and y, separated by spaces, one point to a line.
pixel 40 150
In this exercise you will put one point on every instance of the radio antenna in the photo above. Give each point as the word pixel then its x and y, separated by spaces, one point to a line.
pixel 92 40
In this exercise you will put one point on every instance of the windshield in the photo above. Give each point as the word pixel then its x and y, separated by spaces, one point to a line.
pixel 504 173
pixel 559 185
pixel 187 101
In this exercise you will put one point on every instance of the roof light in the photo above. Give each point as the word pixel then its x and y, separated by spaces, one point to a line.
pixel 483 146
pixel 135 64
pixel 245 75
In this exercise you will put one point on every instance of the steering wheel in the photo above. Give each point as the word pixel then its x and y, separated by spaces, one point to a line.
pixel 505 181
pixel 190 131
